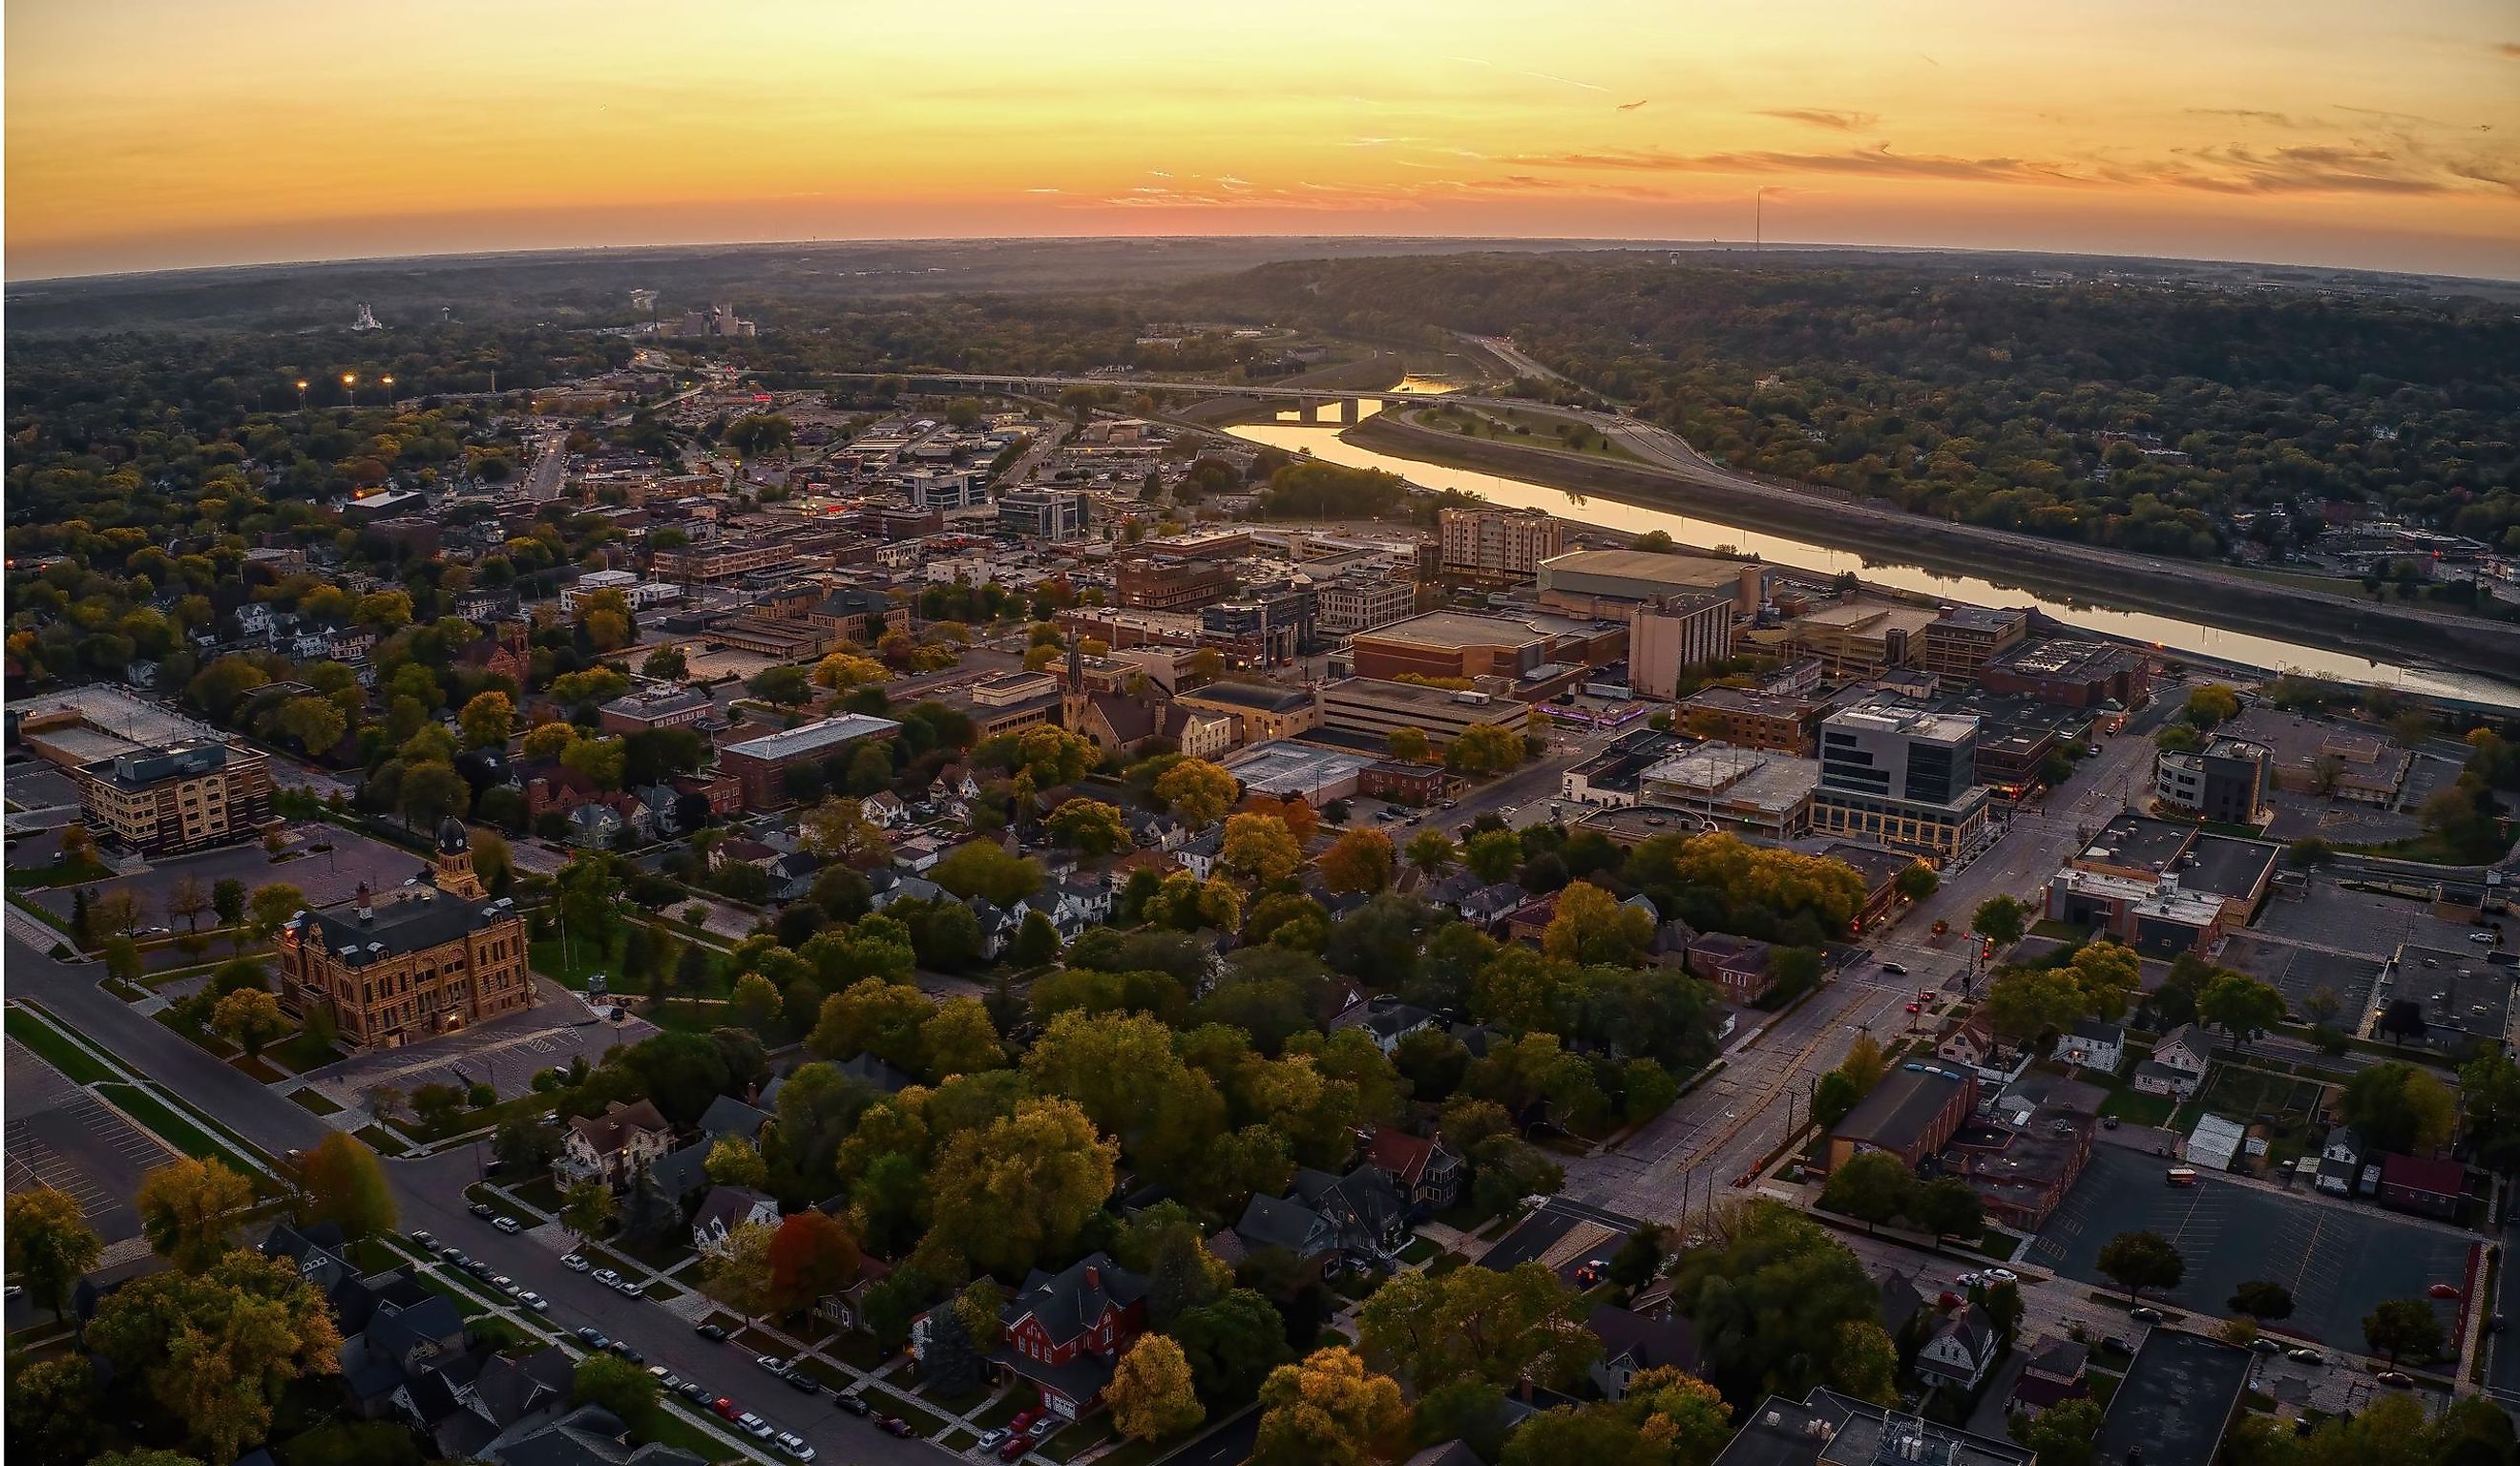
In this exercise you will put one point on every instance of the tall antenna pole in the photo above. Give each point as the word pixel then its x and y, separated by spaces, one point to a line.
pixel 1758 218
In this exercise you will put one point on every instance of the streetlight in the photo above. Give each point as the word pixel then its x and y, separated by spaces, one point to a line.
pixel 350 384
pixel 301 394
pixel 388 380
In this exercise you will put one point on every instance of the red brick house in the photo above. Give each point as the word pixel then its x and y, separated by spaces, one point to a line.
pixel 1427 1173
pixel 2426 1185
pixel 1065 1331
pixel 1736 965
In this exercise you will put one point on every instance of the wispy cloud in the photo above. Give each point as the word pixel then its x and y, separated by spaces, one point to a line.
pixel 2248 115
pixel 1835 121
pixel 1472 61
pixel 1877 162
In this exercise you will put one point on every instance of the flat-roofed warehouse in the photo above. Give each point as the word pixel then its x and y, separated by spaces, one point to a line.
pixel 1378 709
pixel 1506 644
pixel 1577 581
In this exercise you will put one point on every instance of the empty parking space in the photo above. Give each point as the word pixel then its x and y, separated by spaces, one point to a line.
pixel 2338 1262
pixel 63 1136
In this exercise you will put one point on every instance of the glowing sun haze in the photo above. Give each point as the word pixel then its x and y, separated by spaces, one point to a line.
pixel 145 134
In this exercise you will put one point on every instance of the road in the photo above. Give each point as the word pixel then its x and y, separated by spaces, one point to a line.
pixel 543 481
pixel 430 1194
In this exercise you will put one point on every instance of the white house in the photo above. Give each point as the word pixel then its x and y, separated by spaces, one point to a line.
pixel 2177 1064
pixel 1199 856
pixel 611 1146
pixel 2094 1046
pixel 1962 1351
pixel 727 1208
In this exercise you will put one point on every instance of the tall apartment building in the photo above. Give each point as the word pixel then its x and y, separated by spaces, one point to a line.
pixel 1349 604
pixel 1497 544
pixel 2226 780
pixel 176 797
pixel 1673 634
pixel 1900 777
pixel 437 960
pixel 1265 624
pixel 1965 637
pixel 1043 514
pixel 722 559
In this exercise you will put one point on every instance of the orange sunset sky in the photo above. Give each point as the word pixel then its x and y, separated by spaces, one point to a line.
pixel 146 134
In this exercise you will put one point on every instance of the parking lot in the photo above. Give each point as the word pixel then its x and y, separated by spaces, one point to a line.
pixel 2338 1260
pixel 61 1135
pixel 2297 973
pixel 324 876
pixel 2363 921
pixel 503 1054
pixel 2338 821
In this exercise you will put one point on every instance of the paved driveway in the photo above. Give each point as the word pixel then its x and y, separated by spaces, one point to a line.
pixel 505 1053
pixel 326 876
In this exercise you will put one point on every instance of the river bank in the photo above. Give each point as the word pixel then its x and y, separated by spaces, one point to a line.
pixel 2266 609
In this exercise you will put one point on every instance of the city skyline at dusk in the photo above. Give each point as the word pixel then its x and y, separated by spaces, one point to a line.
pixel 153 136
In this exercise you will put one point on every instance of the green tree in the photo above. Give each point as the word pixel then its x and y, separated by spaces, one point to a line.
pixel 621 1388
pixel 486 720
pixel 1479 1324
pixel 985 869
pixel 1020 1189
pixel 2260 1299
pixel 2400 1326
pixel 1780 1305
pixel 248 1017
pixel 51 1246
pixel 1430 851
pixel 2241 1007
pixel 2061 1436
pixel 1328 1411
pixel 341 1181
pixel 215 1347
pixel 1196 792
pixel 2140 1260
pixel 1871 1187
pixel 1483 749
pixel 586 1208
pixel 2398 1107
pixel 734 1160
pixel 2000 918
pixel 1946 1207
pixel 1231 1343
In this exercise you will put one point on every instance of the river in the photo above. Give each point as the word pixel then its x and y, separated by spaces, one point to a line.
pixel 2169 633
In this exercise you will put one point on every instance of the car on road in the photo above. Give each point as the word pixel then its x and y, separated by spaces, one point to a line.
pixel 794 1446
pixel 2002 1275
pixel 508 1225
pixel 754 1426
pixel 1015 1448
pixel 1894 969
pixel 424 1240
pixel 621 1347
pixel 800 1380
pixel 2481 937
pixel 453 1257
pixel 606 1277
pixel 574 1263
pixel 709 1331
pixel 534 1301
pixel 2146 1314
pixel 1915 1008
pixel 2108 1122
pixel 894 1425
pixel 2266 1346
pixel 991 1439
pixel 2442 1291
pixel 724 1407
pixel 693 1391
pixel 592 1338
pixel 772 1363
pixel 855 1405
pixel 2304 1356
pixel 631 1287
pixel 483 1209
pixel 2396 1380
pixel 477 1267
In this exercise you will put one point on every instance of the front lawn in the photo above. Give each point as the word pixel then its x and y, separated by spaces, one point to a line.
pixel 2138 1109
pixel 55 1048
pixel 383 1140
pixel 1015 1402
pixel 302 1051
pixel 1075 1439
pixel 314 1101
pixel 541 1193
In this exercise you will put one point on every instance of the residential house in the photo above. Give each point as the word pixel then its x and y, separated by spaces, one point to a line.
pixel 1633 1343
pixel 846 1307
pixel 1736 965
pixel 2177 1064
pixel 1389 1022
pixel 1199 854
pixel 726 1209
pixel 2340 1160
pixel 2430 1186
pixel 954 784
pixel 1426 1173
pixel 1278 1222
pixel 1363 1207
pixel 1910 1113
pixel 1969 1044
pixel 1487 906
pixel 611 1147
pixel 867 1069
pixel 2052 1375
pixel 1154 831
pixel 2094 1046
pixel 1960 1350
pixel 885 810
pixel 727 1116
pixel 1065 1331
pixel 588 1436
pixel 888 886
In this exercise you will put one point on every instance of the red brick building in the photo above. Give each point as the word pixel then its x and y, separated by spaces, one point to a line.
pixel 1065 1331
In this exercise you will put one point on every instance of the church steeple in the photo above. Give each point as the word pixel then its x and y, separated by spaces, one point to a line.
pixel 452 866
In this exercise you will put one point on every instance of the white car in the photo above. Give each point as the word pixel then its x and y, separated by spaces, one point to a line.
pixel 508 1225
pixel 606 1277
pixel 772 1363
pixel 535 1301
pixel 794 1445
pixel 631 1287
pixel 574 1263
pixel 1972 1279
pixel 2002 1275
pixel 990 1440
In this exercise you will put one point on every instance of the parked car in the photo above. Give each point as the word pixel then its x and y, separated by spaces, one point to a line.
pixel 2266 1346
pixel 709 1331
pixel 483 1209
pixel 2002 1275
pixel 508 1225
pixel 993 1439
pixel 1041 1428
pixel 2304 1356
pixel 622 1348
pixel 574 1263
pixel 592 1338
pixel 668 1380
pixel 724 1407
pixel 606 1277
pixel 1895 969
pixel 534 1301
pixel 1023 1420
pixel 800 1380
pixel 855 1405
pixel 1972 1279
pixel 632 1288
pixel 1015 1448
pixel 772 1362
pixel 794 1446
pixel 755 1426
pixel 453 1257
pixel 2396 1380
pixel 894 1425
pixel 425 1241
pixel 693 1391
pixel 2146 1314
pixel 477 1267
pixel 2442 1291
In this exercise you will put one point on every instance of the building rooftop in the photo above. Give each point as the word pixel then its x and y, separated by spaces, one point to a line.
pixel 413 923
pixel 1677 567
pixel 1745 700
pixel 1754 776
pixel 1976 618
pixel 2067 660
pixel 1263 697
pixel 2460 991
pixel 1415 694
pixel 1895 1115
pixel 2139 843
pixel 1284 767
pixel 812 738
pixel 1454 630
pixel 1906 720
pixel 2177 1399
pixel 1829 1429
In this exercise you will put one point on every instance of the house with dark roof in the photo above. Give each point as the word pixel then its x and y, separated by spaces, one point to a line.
pixel 1065 1332
pixel 1632 1343
pixel 1960 1350
pixel 2430 1186
pixel 611 1147
pixel 867 1069
pixel 1736 965
pixel 727 1116
pixel 1363 1207
pixel 1387 1022
pixel 727 1208
pixel 2053 1374
pixel 1427 1174
pixel 588 1436
pixel 1279 1222
pixel 1910 1113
